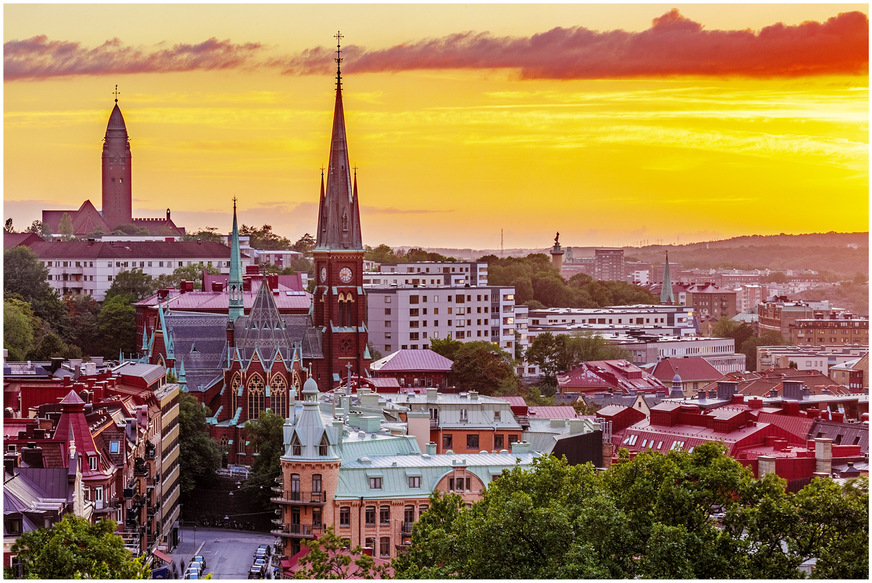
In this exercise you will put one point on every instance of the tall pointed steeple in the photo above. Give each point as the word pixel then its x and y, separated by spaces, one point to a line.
pixel 117 193
pixel 339 213
pixel 234 286
pixel 666 296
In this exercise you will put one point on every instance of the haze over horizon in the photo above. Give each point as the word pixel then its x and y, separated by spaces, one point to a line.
pixel 612 124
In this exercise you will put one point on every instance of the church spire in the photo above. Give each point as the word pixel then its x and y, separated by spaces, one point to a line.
pixel 339 214
pixel 666 297
pixel 234 287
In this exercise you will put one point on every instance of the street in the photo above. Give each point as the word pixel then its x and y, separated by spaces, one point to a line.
pixel 228 553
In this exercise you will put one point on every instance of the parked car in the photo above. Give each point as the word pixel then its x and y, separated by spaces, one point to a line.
pixel 265 548
pixel 192 573
pixel 256 572
pixel 199 559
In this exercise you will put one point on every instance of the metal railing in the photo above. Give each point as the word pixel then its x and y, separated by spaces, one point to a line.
pixel 302 497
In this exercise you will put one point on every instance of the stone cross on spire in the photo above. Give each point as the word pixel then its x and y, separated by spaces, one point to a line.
pixel 338 59
pixel 116 93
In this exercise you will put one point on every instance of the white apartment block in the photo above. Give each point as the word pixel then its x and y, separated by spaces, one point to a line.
pixel 89 267
pixel 819 358
pixel 429 273
pixel 719 352
pixel 639 318
pixel 748 296
pixel 407 317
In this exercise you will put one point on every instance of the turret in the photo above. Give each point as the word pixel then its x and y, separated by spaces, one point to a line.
pixel 234 285
pixel 117 192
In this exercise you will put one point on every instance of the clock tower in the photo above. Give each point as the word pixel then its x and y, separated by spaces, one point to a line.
pixel 339 302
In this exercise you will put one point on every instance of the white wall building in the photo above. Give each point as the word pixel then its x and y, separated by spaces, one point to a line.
pixel 640 318
pixel 89 267
pixel 407 317
pixel 434 273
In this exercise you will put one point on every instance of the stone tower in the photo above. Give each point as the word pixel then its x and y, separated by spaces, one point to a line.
pixel 339 303
pixel 117 193
pixel 557 254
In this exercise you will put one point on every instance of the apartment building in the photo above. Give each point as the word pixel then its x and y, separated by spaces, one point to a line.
pixel 639 318
pixel 446 273
pixel 609 264
pixel 780 314
pixel 834 328
pixel 808 357
pixel 709 300
pixel 407 317
pixel 89 267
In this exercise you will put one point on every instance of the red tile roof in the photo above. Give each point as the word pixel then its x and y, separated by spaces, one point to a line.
pixel 413 360
pixel 560 412
pixel 694 368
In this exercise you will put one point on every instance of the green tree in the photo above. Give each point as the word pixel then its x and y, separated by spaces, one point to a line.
pixel 65 227
pixel 84 314
pixel 749 346
pixel 431 553
pixel 587 346
pixel 133 284
pixel 206 234
pixel 7 227
pixel 200 455
pixel 380 254
pixel 130 229
pixel 266 437
pixel 18 328
pixel 447 347
pixel 264 238
pixel 329 558
pixel 553 354
pixel 26 278
pixel 116 325
pixel 483 367
pixel 192 273
pixel 304 244
pixel 76 549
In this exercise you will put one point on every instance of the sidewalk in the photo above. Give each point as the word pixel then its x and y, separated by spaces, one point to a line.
pixel 189 546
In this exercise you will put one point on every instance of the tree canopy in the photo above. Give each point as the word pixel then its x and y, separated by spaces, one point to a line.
pixel 329 558
pixel 200 454
pixel 266 436
pixel 690 515
pixel 555 354
pixel 134 284
pixel 76 549
pixel 264 238
pixel 483 367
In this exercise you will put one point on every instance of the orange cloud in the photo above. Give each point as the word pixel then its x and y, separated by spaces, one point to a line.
pixel 38 57
pixel 674 45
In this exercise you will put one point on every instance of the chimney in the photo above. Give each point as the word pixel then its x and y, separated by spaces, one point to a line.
pixel 431 448
pixel 217 286
pixel 473 395
pixel 700 395
pixel 792 389
pixel 519 447
pixel 32 455
pixel 726 389
pixel 765 465
pixel 11 462
pixel 432 393
pixel 823 456
pixel 168 214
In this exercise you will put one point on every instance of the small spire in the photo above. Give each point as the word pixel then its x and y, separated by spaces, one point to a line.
pixel 338 60
pixel 116 93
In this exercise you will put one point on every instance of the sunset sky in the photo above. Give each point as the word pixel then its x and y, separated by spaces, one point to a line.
pixel 612 124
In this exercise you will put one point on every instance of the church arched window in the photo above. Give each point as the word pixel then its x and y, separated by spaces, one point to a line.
pixel 279 394
pixel 256 397
pixel 234 393
pixel 225 444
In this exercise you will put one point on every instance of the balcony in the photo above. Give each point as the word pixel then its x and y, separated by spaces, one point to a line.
pixel 298 531
pixel 296 497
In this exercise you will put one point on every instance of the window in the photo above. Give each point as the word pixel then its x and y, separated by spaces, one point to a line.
pixel 464 415
pixel 345 516
pixel 370 542
pixel 447 442
pixel 499 441
pixel 497 415
pixel 295 486
pixel 513 438
pixel 92 462
pixel 414 481
pixel 296 446
pixel 384 547
pixel 370 515
pixel 316 517
pixel 316 483
pixel 384 515
pixel 472 441
pixel 413 299
pixel 256 397
pixel 322 447
pixel 279 392
pixel 387 311
pixel 114 446
pixel 98 494
pixel 375 483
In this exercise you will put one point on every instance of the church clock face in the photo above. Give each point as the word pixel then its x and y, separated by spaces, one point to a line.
pixel 323 274
pixel 345 275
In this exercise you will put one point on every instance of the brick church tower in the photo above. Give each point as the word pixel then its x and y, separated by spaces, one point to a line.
pixel 117 193
pixel 339 308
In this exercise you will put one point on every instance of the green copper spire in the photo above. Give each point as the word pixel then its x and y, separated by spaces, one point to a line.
pixel 234 287
pixel 666 296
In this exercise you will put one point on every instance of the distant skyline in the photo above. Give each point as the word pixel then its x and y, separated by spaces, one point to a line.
pixel 612 124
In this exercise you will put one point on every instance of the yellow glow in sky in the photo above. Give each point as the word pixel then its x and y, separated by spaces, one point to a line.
pixel 454 140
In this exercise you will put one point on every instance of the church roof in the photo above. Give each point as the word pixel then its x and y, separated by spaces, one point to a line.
pixel 116 120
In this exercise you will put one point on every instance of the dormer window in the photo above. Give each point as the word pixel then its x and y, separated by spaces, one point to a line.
pixel 296 447
pixel 322 447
